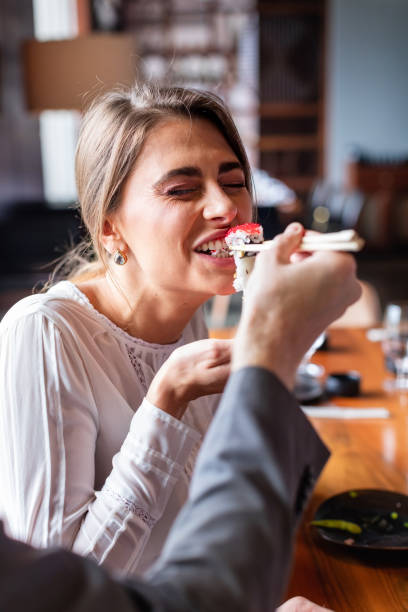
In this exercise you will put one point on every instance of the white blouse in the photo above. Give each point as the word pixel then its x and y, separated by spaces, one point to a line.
pixel 86 462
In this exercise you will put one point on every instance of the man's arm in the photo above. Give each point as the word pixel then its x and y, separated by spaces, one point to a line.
pixel 231 546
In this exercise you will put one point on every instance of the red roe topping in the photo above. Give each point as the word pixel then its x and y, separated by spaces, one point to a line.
pixel 249 228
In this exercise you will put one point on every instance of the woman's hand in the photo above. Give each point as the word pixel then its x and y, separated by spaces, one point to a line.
pixel 193 370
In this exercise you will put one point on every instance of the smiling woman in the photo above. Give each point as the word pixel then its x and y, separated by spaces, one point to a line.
pixel 168 210
pixel 107 380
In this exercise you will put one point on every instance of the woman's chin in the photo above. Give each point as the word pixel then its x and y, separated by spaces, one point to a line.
pixel 222 288
pixel 218 274
pixel 217 263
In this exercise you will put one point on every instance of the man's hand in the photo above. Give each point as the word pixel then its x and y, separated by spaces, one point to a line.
pixel 289 303
pixel 193 370
pixel 300 604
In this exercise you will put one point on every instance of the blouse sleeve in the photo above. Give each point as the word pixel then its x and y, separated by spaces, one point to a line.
pixel 48 431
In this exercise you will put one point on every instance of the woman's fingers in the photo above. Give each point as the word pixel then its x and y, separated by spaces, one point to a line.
pixel 216 378
pixel 193 370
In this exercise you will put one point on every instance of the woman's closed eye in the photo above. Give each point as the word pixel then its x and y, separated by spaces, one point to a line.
pixel 186 193
pixel 181 191
pixel 232 181
pixel 233 186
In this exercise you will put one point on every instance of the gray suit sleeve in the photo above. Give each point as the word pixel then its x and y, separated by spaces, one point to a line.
pixel 231 546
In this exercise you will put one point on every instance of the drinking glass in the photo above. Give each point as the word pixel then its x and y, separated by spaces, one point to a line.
pixel 308 385
pixel 305 363
pixel 395 345
pixel 401 381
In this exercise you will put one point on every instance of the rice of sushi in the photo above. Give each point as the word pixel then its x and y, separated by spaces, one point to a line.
pixel 240 235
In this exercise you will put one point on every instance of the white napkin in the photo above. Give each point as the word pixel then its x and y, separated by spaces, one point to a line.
pixel 337 412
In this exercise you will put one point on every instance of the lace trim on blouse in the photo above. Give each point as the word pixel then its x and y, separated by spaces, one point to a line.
pixel 131 350
pixel 132 507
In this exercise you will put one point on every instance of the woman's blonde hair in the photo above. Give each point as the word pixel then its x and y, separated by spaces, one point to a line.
pixel 111 137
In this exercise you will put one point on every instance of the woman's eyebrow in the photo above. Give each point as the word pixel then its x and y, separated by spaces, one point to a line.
pixel 227 166
pixel 184 171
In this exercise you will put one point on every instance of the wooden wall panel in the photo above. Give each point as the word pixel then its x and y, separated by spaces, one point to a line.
pixel 291 56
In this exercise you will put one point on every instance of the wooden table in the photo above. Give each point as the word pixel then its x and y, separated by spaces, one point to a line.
pixel 365 454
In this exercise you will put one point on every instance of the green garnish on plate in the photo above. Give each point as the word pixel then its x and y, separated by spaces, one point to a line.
pixel 337 524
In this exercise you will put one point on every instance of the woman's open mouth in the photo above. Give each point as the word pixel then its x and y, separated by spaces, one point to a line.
pixel 214 248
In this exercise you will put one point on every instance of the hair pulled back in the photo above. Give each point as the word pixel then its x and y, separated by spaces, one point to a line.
pixel 111 137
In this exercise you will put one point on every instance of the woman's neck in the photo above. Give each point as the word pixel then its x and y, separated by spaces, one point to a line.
pixel 142 313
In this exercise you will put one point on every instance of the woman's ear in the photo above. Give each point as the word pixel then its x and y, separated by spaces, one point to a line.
pixel 111 237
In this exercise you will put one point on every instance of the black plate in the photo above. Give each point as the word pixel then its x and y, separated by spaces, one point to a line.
pixel 371 509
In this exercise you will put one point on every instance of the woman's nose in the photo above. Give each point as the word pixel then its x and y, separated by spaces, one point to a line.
pixel 219 206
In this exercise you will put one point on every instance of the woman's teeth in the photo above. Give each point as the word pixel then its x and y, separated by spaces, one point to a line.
pixel 213 245
pixel 215 248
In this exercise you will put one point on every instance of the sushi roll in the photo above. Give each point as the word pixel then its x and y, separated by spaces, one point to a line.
pixel 240 235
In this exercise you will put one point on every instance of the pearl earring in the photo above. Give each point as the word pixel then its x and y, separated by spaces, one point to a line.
pixel 119 257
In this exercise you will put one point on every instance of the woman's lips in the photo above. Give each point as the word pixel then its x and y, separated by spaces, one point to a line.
pixel 224 261
pixel 217 251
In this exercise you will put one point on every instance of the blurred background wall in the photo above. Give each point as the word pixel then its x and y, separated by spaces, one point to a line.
pixel 20 152
pixel 367 84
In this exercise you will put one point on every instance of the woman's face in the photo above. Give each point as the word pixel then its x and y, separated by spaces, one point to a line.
pixel 186 190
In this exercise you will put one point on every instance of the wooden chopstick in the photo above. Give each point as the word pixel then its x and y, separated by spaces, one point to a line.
pixel 342 236
pixel 353 245
pixel 345 240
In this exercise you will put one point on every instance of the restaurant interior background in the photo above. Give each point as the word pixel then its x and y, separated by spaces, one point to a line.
pixel 318 89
